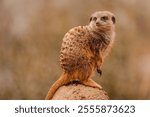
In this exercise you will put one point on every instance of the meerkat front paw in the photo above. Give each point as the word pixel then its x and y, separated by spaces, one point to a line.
pixel 99 70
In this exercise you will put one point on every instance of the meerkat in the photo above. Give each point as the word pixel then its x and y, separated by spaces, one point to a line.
pixel 84 49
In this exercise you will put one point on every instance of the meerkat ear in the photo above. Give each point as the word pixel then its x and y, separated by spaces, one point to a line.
pixel 113 19
pixel 90 19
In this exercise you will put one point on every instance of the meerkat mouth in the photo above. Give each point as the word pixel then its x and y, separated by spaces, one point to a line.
pixel 97 23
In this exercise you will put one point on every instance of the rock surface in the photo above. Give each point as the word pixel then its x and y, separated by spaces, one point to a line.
pixel 76 91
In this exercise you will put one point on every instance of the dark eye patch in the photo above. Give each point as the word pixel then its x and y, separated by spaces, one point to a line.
pixel 113 19
pixel 94 18
pixel 104 18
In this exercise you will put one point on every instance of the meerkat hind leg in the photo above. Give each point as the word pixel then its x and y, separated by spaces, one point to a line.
pixel 91 83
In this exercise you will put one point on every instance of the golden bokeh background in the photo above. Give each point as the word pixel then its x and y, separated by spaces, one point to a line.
pixel 31 33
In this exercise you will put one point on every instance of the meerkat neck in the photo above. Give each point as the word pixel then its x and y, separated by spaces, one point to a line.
pixel 105 36
pixel 101 31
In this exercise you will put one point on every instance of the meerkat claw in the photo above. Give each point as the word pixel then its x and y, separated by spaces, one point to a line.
pixel 99 71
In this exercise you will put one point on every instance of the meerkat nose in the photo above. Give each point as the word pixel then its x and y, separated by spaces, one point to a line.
pixel 97 23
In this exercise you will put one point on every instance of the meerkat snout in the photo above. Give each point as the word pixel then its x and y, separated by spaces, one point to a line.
pixel 97 23
pixel 102 19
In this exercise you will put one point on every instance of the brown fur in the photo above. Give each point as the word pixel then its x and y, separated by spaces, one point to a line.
pixel 83 51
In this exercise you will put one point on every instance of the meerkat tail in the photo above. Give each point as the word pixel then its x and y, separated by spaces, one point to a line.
pixel 61 81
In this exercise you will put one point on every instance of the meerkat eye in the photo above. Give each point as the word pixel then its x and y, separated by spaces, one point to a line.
pixel 113 19
pixel 94 18
pixel 104 18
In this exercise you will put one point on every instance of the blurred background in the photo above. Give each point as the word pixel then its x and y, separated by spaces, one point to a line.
pixel 31 33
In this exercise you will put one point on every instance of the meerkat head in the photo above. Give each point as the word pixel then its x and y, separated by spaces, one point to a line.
pixel 104 20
